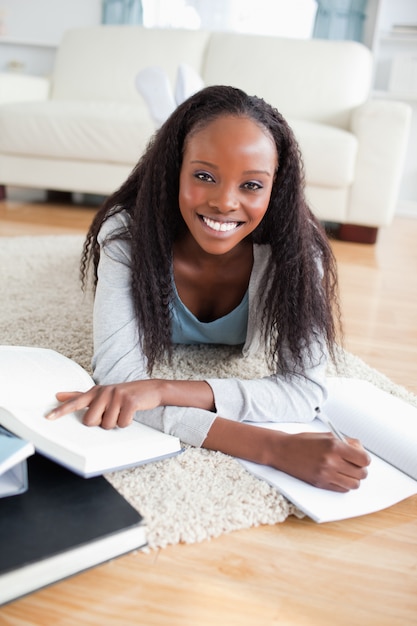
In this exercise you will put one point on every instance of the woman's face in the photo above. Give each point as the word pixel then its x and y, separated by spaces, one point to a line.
pixel 226 180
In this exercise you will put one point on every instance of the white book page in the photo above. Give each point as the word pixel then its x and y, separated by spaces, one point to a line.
pixel 386 425
pixel 383 487
pixel 30 377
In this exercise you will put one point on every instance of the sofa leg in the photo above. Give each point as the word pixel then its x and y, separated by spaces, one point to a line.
pixel 3 193
pixel 59 197
pixel 357 234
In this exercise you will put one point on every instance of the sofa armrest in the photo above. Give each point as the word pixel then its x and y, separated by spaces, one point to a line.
pixel 382 129
pixel 22 87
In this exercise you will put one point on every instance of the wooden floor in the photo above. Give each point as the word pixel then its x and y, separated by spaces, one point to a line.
pixel 356 572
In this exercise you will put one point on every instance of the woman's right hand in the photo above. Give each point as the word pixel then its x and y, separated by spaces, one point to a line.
pixel 320 459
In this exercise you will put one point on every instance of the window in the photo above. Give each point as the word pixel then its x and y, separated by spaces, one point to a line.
pixel 284 18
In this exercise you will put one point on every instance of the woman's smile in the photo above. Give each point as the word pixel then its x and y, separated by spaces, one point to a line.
pixel 220 226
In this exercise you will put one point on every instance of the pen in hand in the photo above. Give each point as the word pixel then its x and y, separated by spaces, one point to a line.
pixel 332 427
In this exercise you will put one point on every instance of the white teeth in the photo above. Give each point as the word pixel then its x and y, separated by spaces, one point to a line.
pixel 220 226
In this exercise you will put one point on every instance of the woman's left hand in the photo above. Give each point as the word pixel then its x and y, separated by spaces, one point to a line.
pixel 110 405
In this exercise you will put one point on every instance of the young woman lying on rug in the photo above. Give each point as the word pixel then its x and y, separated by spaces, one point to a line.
pixel 210 240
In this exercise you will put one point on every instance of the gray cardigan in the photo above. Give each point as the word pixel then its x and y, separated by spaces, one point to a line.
pixel 118 356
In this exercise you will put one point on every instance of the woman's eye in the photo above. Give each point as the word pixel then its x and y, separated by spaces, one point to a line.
pixel 204 176
pixel 252 186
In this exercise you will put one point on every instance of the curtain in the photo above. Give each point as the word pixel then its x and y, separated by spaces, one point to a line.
pixel 340 19
pixel 122 12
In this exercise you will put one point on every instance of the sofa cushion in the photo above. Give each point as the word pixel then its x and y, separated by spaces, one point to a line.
pixel 101 63
pixel 329 153
pixel 15 87
pixel 110 132
pixel 312 79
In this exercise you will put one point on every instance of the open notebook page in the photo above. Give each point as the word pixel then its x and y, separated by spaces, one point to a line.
pixel 386 425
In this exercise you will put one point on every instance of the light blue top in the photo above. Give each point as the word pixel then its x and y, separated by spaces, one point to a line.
pixel 228 330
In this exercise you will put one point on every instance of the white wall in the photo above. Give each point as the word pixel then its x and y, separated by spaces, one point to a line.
pixel 30 30
pixel 403 48
pixel 46 20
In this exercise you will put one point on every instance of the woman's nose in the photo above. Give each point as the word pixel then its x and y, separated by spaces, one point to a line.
pixel 224 199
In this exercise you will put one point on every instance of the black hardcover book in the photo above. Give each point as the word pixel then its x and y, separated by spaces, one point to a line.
pixel 62 525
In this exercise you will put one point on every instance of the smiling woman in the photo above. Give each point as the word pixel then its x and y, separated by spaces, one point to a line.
pixel 225 183
pixel 225 186
pixel 210 240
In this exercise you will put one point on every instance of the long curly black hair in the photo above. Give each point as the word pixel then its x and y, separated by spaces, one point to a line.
pixel 301 304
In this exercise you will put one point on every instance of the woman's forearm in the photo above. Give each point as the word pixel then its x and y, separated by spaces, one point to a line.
pixel 244 441
pixel 316 458
pixel 228 436
pixel 189 393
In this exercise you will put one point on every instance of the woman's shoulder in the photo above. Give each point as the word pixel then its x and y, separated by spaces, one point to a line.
pixel 261 254
pixel 262 250
pixel 117 223
pixel 261 258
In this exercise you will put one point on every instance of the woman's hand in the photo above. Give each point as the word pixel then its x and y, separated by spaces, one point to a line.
pixel 111 405
pixel 322 460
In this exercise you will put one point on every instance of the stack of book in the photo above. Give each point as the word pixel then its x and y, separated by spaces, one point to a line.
pixel 58 514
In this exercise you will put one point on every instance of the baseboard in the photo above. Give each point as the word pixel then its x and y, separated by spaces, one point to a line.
pixel 23 194
pixel 407 208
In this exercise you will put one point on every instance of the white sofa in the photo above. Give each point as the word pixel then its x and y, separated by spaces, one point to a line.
pixel 90 130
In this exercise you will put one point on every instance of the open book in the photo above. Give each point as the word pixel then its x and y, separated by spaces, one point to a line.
pixel 386 427
pixel 29 380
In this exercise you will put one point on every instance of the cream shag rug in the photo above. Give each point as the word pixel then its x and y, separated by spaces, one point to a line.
pixel 189 498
